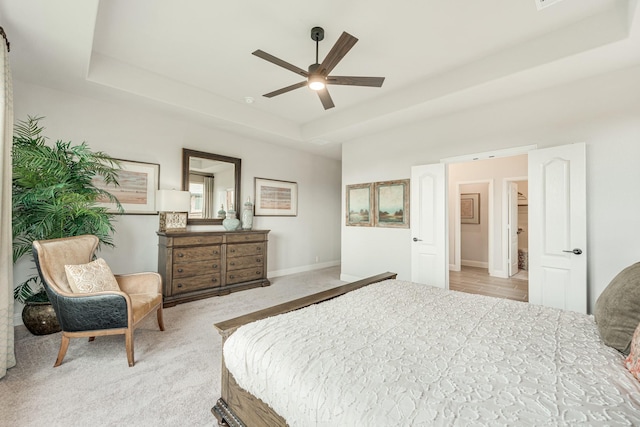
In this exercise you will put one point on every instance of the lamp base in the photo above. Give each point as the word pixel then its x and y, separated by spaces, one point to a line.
pixel 173 221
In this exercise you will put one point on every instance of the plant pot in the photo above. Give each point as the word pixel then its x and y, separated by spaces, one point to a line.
pixel 40 318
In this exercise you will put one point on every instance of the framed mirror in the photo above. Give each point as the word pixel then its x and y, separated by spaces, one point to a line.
pixel 214 183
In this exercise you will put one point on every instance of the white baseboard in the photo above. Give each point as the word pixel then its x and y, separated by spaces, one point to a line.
pixel 469 263
pixel 302 269
pixel 453 267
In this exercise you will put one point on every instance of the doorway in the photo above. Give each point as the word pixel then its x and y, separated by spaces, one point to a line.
pixel 557 214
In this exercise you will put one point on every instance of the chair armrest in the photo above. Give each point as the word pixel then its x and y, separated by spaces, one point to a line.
pixel 86 312
pixel 140 283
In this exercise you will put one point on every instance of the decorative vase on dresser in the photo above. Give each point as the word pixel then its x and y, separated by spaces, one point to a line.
pixel 247 215
pixel 231 223
pixel 196 265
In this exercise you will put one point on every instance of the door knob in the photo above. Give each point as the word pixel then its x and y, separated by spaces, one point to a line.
pixel 576 251
pixel 415 239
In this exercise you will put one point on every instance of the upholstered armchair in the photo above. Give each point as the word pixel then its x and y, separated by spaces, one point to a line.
pixel 83 314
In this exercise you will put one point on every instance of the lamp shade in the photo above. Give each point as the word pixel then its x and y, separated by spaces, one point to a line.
pixel 173 201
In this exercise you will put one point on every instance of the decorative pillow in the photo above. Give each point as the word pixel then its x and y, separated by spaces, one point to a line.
pixel 633 360
pixel 95 276
pixel 617 310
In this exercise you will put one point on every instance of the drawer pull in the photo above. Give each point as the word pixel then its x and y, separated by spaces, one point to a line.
pixel 232 276
pixel 180 270
pixel 258 249
pixel 180 254
pixel 258 273
pixel 215 252
pixel 214 280
pixel 232 250
pixel 258 260
pixel 232 263
pixel 179 285
pixel 215 265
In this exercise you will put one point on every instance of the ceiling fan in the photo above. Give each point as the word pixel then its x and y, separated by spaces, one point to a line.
pixel 318 74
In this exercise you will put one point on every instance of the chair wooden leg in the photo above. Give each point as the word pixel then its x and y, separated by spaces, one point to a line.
pixel 64 345
pixel 129 344
pixel 160 318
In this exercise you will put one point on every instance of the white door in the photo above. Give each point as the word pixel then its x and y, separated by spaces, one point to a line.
pixel 557 219
pixel 513 228
pixel 429 248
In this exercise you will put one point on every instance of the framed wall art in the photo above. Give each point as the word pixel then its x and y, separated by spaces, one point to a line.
pixel 138 183
pixel 470 208
pixel 275 198
pixel 392 203
pixel 359 204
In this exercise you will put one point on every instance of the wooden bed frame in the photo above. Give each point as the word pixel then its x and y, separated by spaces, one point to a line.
pixel 239 408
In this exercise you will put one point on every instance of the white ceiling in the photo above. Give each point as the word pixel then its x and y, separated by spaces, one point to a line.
pixel 193 57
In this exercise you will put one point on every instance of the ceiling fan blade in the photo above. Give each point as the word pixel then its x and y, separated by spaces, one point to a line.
pixel 285 89
pixel 337 52
pixel 355 81
pixel 284 64
pixel 325 98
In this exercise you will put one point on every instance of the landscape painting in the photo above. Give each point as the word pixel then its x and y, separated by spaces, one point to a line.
pixel 392 204
pixel 359 202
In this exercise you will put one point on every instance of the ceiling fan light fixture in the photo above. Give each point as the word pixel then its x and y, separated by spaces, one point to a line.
pixel 316 82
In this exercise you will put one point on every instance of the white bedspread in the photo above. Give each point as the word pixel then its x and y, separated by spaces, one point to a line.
pixel 398 353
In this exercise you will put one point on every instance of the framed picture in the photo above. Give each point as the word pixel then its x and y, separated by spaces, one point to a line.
pixel 275 198
pixel 392 204
pixel 470 208
pixel 359 205
pixel 137 190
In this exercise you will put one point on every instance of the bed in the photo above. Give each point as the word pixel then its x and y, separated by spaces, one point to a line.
pixel 386 352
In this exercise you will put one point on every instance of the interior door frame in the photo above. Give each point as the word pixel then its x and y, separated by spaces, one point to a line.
pixel 457 250
pixel 505 218
pixel 508 152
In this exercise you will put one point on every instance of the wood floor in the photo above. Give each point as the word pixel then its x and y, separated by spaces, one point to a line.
pixel 476 280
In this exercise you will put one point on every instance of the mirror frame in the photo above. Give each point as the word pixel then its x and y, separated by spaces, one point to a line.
pixel 186 155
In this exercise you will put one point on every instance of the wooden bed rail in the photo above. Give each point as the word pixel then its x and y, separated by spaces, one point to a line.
pixel 227 327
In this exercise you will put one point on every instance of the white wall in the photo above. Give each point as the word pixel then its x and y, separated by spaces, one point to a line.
pixel 603 111
pixel 140 134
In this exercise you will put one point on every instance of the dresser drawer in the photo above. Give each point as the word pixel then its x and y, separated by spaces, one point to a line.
pixel 196 240
pixel 245 237
pixel 238 276
pixel 246 249
pixel 194 283
pixel 245 262
pixel 196 268
pixel 204 253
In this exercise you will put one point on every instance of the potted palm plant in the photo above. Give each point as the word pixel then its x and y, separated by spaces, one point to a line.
pixel 53 195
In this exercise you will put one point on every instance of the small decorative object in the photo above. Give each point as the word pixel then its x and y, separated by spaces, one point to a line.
pixel 173 206
pixel 247 215
pixel 221 212
pixel 231 223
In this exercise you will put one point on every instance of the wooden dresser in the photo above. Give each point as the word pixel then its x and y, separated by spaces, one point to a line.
pixel 196 265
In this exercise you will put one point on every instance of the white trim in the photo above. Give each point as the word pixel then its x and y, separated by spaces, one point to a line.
pixel 507 152
pixel 302 269
pixel 471 263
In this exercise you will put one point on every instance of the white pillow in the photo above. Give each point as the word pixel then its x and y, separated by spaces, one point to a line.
pixel 95 276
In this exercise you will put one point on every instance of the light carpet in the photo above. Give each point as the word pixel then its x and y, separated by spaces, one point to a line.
pixel 176 378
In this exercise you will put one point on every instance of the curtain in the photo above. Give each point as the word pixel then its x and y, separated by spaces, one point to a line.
pixel 208 199
pixel 7 354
